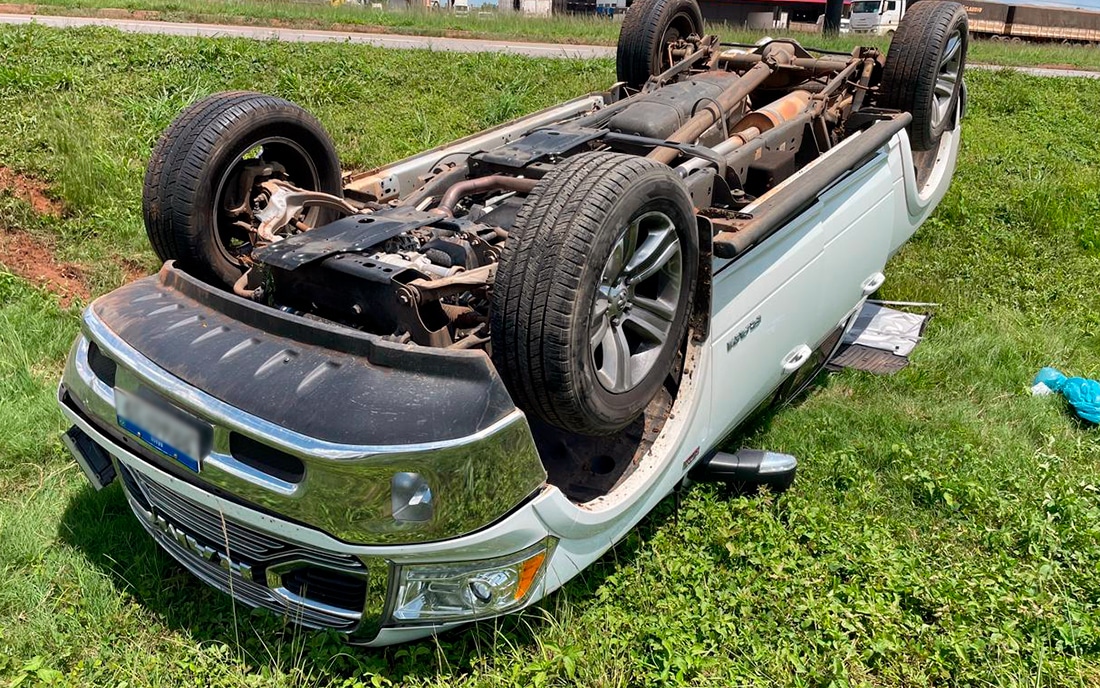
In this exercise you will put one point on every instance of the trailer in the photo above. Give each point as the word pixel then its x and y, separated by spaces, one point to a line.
pixel 1033 22
pixel 995 20
pixel 988 18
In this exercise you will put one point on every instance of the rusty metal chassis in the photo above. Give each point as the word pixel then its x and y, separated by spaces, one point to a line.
pixel 401 179
pixel 714 175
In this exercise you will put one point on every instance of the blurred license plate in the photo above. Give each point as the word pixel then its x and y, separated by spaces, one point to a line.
pixel 160 429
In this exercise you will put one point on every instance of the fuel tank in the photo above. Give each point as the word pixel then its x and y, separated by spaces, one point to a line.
pixel 660 113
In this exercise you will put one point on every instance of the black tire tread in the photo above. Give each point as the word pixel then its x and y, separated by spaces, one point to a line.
pixel 159 176
pixel 909 75
pixel 643 25
pixel 535 291
pixel 177 167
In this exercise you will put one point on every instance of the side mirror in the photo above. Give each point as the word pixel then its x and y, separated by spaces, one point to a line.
pixel 748 470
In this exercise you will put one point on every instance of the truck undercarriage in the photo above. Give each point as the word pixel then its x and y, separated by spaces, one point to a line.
pixel 416 265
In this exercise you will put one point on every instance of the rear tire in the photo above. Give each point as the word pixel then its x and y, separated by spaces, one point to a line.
pixel 593 291
pixel 192 168
pixel 924 69
pixel 648 28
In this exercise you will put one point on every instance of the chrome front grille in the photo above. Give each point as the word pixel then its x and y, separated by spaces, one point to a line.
pixel 201 521
pixel 308 586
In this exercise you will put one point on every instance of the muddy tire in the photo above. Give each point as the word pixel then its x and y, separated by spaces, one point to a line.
pixel 192 175
pixel 648 28
pixel 924 69
pixel 593 291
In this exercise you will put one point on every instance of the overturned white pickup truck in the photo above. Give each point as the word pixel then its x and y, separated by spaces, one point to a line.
pixel 394 402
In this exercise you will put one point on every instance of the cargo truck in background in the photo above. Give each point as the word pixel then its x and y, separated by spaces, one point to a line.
pixel 998 21
pixel 1033 22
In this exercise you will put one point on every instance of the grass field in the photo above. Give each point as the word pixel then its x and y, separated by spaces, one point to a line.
pixel 944 528
pixel 502 26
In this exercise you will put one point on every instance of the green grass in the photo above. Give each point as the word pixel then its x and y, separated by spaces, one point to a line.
pixel 577 29
pixel 567 29
pixel 944 528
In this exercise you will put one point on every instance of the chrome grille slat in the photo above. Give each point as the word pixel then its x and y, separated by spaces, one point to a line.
pixel 203 521
pixel 208 524
pixel 248 592
pixel 260 549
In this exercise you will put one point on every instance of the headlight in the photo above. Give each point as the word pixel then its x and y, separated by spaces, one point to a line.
pixel 436 593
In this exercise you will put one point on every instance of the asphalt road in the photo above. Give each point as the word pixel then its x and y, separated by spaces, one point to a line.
pixel 381 40
pixel 384 40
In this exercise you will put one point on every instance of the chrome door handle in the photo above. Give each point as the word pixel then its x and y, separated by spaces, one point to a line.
pixel 794 360
pixel 872 283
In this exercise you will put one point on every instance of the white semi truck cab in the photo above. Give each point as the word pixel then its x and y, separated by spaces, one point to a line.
pixel 880 17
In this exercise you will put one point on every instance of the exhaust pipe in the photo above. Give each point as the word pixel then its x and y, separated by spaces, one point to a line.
pixel 755 123
pixel 775 113
pixel 494 182
pixel 775 55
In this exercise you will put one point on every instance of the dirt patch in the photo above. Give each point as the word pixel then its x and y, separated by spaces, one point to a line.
pixel 133 269
pixel 1058 65
pixel 114 13
pixel 33 259
pixel 30 190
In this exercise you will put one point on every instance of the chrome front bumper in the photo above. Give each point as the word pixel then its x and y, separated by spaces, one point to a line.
pixel 295 547
pixel 302 575
pixel 344 490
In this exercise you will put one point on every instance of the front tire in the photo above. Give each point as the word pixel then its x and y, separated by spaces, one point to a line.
pixel 593 291
pixel 193 201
